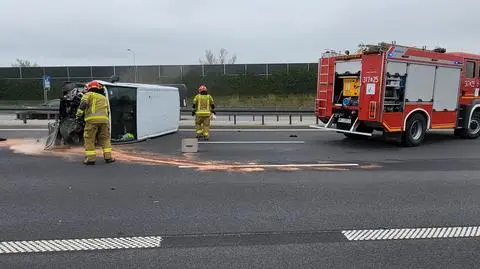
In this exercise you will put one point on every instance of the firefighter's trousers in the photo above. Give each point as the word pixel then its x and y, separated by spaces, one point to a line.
pixel 91 133
pixel 202 125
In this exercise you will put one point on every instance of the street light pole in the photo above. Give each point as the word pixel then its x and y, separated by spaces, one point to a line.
pixel 134 63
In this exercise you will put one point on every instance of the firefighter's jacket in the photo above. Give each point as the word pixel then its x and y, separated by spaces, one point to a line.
pixel 203 105
pixel 93 108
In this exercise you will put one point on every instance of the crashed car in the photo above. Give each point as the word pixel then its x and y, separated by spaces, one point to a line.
pixel 67 130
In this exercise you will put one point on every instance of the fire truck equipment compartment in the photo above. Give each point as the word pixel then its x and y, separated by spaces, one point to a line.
pixel 351 86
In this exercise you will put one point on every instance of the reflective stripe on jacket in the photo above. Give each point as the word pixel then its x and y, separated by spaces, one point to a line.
pixel 203 104
pixel 94 106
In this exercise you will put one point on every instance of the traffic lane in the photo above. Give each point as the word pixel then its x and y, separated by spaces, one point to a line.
pixel 444 253
pixel 440 152
pixel 30 134
pixel 298 145
pixel 315 146
pixel 44 198
pixel 8 128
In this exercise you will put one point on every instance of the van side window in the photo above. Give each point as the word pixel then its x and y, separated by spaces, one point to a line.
pixel 470 71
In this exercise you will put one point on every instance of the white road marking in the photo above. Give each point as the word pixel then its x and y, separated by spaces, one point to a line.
pixel 79 244
pixel 283 165
pixel 193 130
pixel 22 129
pixel 255 130
pixel 411 233
pixel 243 129
pixel 251 142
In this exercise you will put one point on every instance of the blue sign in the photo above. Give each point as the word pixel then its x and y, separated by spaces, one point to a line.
pixel 46 82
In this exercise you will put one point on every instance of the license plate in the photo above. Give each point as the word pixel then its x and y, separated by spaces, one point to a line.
pixel 343 120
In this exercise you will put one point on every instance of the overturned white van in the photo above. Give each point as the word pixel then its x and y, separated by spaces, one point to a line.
pixel 142 111
pixel 138 112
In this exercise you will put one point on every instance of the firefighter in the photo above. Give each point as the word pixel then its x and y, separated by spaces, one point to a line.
pixel 203 108
pixel 93 109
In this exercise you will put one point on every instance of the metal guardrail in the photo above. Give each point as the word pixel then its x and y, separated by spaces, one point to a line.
pixel 233 113
pixel 24 111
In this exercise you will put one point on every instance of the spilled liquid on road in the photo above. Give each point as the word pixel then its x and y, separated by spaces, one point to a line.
pixel 127 154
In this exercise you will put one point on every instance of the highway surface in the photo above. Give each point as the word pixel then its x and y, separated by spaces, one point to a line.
pixel 291 198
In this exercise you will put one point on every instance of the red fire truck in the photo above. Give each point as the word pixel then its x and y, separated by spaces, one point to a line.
pixel 399 90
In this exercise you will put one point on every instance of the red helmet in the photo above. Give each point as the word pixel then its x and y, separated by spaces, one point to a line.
pixel 94 85
pixel 202 88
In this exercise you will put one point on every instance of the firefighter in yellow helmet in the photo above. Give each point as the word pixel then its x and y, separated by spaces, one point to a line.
pixel 93 109
pixel 203 108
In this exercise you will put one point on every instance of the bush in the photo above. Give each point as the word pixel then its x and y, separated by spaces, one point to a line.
pixel 299 82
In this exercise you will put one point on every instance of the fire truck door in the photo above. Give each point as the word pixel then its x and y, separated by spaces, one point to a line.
pixel 477 84
pixel 471 78
pixel 446 90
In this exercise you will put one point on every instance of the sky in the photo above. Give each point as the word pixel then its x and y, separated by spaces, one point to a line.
pixel 163 32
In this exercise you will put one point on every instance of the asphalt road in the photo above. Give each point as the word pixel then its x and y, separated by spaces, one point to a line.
pixel 248 205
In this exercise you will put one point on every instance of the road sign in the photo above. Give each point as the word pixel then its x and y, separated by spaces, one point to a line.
pixel 46 82
pixel 46 87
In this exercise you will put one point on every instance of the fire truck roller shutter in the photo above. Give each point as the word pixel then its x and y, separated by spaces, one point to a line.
pixel 420 83
pixel 351 67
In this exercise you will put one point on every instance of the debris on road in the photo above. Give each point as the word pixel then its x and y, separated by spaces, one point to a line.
pixel 34 147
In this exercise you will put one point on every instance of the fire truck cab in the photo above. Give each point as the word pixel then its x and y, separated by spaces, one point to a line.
pixel 399 90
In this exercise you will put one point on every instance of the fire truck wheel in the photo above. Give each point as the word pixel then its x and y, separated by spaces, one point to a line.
pixel 473 130
pixel 414 130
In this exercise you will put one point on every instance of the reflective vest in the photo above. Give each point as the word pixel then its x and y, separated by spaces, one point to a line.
pixel 202 104
pixel 95 108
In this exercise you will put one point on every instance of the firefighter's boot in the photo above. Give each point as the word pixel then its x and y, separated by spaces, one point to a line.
pixel 88 162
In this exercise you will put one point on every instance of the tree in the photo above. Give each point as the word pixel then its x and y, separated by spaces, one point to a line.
pixel 210 57
pixel 24 63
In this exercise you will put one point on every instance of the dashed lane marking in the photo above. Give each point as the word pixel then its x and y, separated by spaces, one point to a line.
pixel 79 244
pixel 252 142
pixel 24 129
pixel 253 129
pixel 313 165
pixel 412 233
pixel 193 130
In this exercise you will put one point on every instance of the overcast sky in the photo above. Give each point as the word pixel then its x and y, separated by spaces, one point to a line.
pixel 98 32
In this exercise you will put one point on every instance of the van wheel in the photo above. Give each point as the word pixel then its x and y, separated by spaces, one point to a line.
pixel 473 130
pixel 414 131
